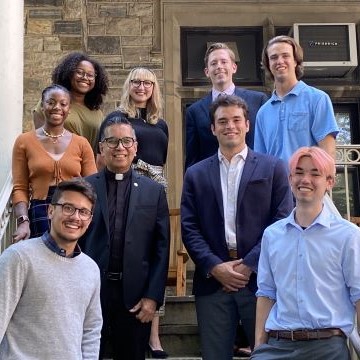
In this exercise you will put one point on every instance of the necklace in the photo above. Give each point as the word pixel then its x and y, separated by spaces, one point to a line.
pixel 54 138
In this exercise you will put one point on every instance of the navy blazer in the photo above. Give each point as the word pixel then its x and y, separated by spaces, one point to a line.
pixel 200 141
pixel 264 197
pixel 147 238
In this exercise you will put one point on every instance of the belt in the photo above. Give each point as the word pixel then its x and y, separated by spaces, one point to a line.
pixel 113 276
pixel 233 254
pixel 303 335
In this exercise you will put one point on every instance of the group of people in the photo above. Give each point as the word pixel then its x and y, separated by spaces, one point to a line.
pixel 73 156
pixel 269 250
pixel 268 254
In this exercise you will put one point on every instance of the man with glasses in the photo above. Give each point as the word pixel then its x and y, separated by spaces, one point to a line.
pixel 49 289
pixel 129 240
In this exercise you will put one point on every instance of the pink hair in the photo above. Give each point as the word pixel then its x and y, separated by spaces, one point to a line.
pixel 321 159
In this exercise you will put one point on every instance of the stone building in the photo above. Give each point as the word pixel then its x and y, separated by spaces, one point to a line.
pixel 122 34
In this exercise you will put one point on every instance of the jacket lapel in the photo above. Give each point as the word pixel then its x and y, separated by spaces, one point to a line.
pixel 214 176
pixel 100 188
pixel 205 104
pixel 249 167
pixel 136 185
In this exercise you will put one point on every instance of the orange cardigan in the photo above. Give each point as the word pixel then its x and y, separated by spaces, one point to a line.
pixel 34 170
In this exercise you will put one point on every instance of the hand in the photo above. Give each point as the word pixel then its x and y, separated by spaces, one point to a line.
pixel 228 277
pixel 243 269
pixel 147 309
pixel 22 232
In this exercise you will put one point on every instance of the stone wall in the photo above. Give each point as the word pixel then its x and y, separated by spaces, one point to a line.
pixel 118 33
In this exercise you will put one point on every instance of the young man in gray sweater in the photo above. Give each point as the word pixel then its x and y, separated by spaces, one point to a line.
pixel 49 289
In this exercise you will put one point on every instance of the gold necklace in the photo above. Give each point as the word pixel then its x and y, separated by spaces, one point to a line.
pixel 54 138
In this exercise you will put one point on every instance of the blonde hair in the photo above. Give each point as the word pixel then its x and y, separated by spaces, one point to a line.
pixel 153 105
pixel 218 46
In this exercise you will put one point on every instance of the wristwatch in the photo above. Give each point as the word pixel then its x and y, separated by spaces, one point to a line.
pixel 21 219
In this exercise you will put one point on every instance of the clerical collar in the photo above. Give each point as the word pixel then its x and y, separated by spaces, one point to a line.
pixel 119 176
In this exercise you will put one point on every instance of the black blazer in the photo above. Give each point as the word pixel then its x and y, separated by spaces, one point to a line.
pixel 200 141
pixel 264 197
pixel 147 236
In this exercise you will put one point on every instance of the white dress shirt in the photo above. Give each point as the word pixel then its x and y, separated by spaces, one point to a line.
pixel 230 175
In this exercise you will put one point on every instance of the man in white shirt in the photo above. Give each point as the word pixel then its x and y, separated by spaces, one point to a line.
pixel 228 200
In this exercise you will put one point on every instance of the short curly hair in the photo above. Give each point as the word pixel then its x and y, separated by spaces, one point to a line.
pixel 64 71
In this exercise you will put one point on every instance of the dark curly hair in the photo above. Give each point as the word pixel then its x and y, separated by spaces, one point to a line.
pixel 63 73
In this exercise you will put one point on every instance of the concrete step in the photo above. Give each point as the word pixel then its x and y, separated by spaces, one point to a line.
pixel 179 310
pixel 178 328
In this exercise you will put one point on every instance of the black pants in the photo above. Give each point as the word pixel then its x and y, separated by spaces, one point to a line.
pixel 128 337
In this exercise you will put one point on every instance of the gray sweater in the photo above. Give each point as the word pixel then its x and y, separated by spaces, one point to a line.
pixel 49 305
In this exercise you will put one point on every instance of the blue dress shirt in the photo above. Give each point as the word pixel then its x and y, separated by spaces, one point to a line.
pixel 53 246
pixel 312 274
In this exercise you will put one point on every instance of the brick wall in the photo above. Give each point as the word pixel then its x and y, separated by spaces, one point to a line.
pixel 118 33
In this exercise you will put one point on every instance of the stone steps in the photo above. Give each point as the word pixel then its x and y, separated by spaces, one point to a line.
pixel 178 328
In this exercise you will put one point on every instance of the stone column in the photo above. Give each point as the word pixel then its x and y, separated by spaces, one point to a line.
pixel 11 79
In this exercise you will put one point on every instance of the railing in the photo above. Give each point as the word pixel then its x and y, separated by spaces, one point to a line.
pixel 7 221
pixel 346 194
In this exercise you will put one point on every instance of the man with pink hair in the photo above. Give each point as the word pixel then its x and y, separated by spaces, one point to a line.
pixel 308 278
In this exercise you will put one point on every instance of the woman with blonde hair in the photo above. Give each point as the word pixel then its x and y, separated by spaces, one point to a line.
pixel 141 102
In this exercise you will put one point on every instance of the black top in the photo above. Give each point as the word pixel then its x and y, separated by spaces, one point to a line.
pixel 152 139
pixel 118 194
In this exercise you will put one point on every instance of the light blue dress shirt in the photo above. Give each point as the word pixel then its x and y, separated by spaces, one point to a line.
pixel 303 117
pixel 312 274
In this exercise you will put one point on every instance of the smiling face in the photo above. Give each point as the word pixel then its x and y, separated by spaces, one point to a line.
pixel 55 106
pixel 220 69
pixel 118 160
pixel 83 78
pixel 65 229
pixel 230 127
pixel 141 87
pixel 282 63
pixel 308 184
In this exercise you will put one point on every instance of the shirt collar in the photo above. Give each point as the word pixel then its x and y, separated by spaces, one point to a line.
pixel 110 176
pixel 242 154
pixel 324 218
pixel 295 91
pixel 53 246
pixel 229 91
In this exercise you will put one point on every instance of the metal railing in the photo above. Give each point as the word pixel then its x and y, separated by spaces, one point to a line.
pixel 7 221
pixel 346 193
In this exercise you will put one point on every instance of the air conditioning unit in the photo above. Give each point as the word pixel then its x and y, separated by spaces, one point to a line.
pixel 330 50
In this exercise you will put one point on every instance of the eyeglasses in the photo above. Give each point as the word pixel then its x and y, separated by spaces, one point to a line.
pixel 69 210
pixel 80 73
pixel 113 142
pixel 147 83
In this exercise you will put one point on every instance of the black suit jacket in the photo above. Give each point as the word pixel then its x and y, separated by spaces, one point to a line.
pixel 200 141
pixel 264 196
pixel 147 235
